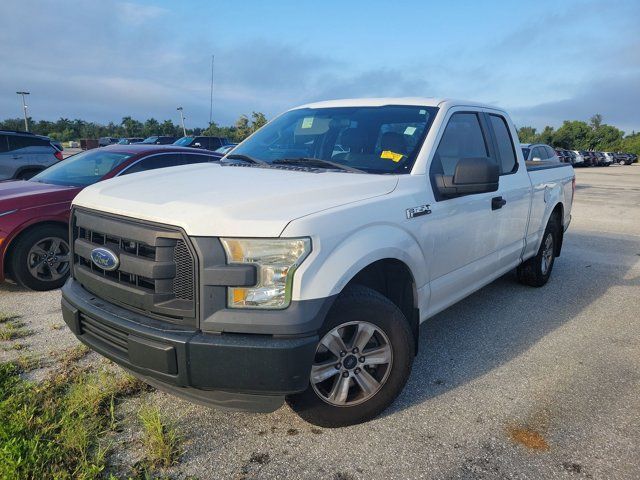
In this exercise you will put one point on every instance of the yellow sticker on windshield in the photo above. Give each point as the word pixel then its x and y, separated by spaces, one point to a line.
pixel 307 122
pixel 393 156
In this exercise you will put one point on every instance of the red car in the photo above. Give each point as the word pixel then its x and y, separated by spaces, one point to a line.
pixel 34 214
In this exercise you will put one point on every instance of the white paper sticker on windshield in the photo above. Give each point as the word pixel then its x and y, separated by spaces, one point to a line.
pixel 410 130
pixel 307 122
pixel 422 112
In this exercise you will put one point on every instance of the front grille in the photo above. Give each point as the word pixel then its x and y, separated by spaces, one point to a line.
pixel 156 272
pixel 113 338
pixel 183 281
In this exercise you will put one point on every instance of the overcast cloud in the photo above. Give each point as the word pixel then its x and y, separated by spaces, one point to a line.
pixel 103 60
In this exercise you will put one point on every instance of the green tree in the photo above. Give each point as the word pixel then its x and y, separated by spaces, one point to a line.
pixel 258 120
pixel 527 135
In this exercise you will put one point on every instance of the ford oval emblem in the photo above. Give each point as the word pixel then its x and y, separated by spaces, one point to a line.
pixel 105 259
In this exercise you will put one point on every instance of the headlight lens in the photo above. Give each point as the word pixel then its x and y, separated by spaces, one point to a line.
pixel 276 261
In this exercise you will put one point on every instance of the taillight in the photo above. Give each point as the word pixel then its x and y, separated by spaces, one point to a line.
pixel 58 155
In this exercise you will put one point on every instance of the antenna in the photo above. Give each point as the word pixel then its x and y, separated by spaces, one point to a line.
pixel 211 96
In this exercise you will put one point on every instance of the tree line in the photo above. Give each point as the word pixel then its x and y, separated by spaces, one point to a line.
pixel 572 135
pixel 579 135
pixel 65 130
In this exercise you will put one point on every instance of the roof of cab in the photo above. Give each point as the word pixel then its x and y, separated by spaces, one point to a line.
pixel 378 102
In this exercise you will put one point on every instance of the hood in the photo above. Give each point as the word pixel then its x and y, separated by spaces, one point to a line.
pixel 214 200
pixel 21 194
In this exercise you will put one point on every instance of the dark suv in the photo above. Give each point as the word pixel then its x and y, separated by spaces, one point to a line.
pixel 207 143
pixel 23 154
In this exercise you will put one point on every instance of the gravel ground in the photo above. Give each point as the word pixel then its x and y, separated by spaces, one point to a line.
pixel 512 382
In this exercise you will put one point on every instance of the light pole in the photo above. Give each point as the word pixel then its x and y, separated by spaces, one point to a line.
pixel 184 131
pixel 24 107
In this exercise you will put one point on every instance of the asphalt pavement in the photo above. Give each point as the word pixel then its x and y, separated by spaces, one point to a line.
pixel 512 382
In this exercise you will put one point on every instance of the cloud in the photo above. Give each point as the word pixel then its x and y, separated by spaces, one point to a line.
pixel 616 98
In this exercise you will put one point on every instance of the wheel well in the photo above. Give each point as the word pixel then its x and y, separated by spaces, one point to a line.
pixel 557 215
pixel 22 170
pixel 15 240
pixel 393 279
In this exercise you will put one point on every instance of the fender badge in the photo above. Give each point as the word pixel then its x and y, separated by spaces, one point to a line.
pixel 418 211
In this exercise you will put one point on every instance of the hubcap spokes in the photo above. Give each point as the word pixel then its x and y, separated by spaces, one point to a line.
pixel 352 363
pixel 48 260
pixel 547 254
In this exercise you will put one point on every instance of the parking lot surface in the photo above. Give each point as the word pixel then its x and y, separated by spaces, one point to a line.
pixel 512 382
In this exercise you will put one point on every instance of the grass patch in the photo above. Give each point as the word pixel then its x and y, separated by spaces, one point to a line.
pixel 57 428
pixel 12 328
pixel 5 317
pixel 161 442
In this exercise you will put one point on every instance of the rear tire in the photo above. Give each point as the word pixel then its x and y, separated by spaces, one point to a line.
pixel 40 258
pixel 536 271
pixel 355 385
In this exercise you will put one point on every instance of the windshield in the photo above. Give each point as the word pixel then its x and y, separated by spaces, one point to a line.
pixel 82 169
pixel 150 140
pixel 373 139
pixel 184 141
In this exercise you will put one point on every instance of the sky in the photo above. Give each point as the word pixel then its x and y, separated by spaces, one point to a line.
pixel 544 61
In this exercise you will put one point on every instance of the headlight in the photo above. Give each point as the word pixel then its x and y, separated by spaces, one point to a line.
pixel 276 261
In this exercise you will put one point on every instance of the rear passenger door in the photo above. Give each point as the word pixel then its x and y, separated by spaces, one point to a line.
pixel 515 191
pixel 31 151
pixel 7 168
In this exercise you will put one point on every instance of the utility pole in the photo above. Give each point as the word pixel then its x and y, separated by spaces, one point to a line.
pixel 211 95
pixel 24 108
pixel 184 131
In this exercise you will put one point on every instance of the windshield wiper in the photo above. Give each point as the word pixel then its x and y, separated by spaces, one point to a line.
pixel 317 162
pixel 245 158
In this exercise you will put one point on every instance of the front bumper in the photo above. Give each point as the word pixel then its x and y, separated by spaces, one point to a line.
pixel 245 371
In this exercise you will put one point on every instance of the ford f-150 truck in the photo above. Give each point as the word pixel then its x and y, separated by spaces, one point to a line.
pixel 302 266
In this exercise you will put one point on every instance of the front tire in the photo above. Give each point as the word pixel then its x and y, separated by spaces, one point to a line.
pixel 362 361
pixel 536 271
pixel 40 258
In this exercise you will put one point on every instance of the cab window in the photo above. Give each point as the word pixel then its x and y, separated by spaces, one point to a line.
pixel 506 150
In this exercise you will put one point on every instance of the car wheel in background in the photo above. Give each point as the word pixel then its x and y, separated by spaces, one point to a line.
pixel 40 258
pixel 362 361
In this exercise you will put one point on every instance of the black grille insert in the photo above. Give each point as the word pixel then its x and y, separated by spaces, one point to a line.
pixel 156 272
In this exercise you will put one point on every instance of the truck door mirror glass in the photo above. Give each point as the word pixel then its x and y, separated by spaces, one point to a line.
pixel 472 175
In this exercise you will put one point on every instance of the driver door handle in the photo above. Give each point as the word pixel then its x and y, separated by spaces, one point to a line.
pixel 497 203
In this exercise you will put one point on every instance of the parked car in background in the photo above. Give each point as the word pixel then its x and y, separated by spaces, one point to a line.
pixel 306 274
pixel 578 158
pixel 539 152
pixel 34 214
pixel 130 140
pixel 105 141
pixel 602 160
pixel 610 156
pixel 622 158
pixel 207 143
pixel 590 158
pixel 634 158
pixel 226 149
pixel 23 154
pixel 158 140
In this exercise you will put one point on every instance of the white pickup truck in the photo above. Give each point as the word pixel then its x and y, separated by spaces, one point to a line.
pixel 302 265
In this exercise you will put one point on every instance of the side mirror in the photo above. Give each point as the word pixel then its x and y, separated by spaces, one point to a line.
pixel 472 175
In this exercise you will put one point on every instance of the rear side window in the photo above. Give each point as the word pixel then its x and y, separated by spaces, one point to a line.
pixel 195 158
pixel 538 153
pixel 17 142
pixel 505 144
pixel 156 161
pixel 462 138
pixel 4 146
pixel 550 152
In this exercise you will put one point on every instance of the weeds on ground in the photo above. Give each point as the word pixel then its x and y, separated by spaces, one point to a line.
pixel 56 429
pixel 161 442
pixel 12 328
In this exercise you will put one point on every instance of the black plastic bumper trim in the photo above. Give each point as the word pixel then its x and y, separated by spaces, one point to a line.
pixel 235 363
